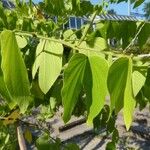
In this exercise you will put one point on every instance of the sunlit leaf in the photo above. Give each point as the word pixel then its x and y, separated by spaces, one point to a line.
pixel 73 80
pixel 12 118
pixel 129 101
pixel 49 62
pixel 99 70
pixel 21 41
pixel 120 88
pixel 90 73
pixel 138 81
pixel 14 70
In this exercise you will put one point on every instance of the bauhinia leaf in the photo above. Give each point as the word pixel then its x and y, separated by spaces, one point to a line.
pixel 117 77
pixel 14 70
pixel 120 88
pixel 138 81
pixel 73 80
pixel 49 62
pixel 90 73
pixel 99 70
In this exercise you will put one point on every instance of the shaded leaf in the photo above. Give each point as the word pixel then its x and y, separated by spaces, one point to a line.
pixel 28 136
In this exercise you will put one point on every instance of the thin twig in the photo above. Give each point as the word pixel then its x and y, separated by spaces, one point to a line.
pixel 133 40
pixel 87 28
pixel 72 46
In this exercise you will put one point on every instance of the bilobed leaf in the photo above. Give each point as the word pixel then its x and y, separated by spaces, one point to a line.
pixel 120 88
pixel 99 70
pixel 138 81
pixel 73 79
pixel 14 70
pixel 49 63
pixel 116 81
pixel 89 72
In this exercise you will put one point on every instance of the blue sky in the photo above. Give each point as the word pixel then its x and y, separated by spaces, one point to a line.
pixel 122 8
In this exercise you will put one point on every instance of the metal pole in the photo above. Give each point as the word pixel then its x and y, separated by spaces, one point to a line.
pixel 129 8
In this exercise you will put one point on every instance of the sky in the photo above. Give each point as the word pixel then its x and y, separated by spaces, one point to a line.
pixel 122 8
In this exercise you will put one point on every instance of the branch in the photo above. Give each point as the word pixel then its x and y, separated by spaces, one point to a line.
pixel 87 28
pixel 133 40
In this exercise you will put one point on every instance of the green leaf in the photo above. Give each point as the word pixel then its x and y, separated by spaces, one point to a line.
pixel 99 44
pixel 22 42
pixel 120 88
pixel 14 70
pixel 110 146
pixel 138 3
pixel 90 73
pixel 49 62
pixel 129 101
pixel 144 34
pixel 138 81
pixel 117 77
pixel 4 92
pixel 69 34
pixel 98 88
pixel 44 143
pixel 72 146
pixel 73 80
pixel 146 89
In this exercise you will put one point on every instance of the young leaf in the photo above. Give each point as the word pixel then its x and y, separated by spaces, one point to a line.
pixel 73 80
pixel 14 70
pixel 138 81
pixel 49 63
